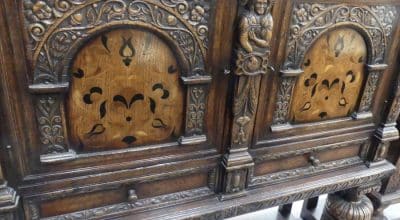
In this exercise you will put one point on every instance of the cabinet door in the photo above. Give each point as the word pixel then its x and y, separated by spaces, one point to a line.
pixel 325 81
pixel 122 102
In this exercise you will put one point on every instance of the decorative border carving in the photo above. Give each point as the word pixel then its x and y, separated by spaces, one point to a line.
pixel 309 21
pixel 57 29
pixel 305 171
pixel 278 199
pixel 180 197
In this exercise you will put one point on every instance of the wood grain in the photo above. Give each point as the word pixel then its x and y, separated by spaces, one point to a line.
pixel 332 79
pixel 125 91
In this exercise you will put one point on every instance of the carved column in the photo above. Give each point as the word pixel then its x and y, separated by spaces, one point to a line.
pixel 352 204
pixel 9 200
pixel 252 56
pixel 387 131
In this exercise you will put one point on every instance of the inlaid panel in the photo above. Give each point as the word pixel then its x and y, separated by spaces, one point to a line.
pixel 125 91
pixel 334 72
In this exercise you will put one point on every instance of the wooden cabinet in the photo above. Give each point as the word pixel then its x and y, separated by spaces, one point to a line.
pixel 194 109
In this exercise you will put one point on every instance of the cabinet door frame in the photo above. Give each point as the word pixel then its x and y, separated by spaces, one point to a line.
pixel 55 46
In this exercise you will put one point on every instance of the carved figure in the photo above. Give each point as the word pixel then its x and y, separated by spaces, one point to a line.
pixel 255 36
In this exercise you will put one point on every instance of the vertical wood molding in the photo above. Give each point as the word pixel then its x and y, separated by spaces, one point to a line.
pixel 252 61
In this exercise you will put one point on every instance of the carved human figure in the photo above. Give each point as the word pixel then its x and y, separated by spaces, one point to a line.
pixel 256 26
pixel 255 30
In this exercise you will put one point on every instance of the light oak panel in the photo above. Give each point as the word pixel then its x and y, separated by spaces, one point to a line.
pixel 334 72
pixel 125 92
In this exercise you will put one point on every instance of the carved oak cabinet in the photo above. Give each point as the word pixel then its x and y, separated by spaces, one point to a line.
pixel 194 109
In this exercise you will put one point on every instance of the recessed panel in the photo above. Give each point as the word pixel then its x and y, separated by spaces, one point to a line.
pixel 125 91
pixel 334 72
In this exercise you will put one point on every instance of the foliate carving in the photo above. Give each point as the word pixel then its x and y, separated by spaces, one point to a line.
pixel 309 20
pixel 283 100
pixel 292 196
pixel 253 52
pixel 56 26
pixel 196 110
pixel 369 92
pixel 244 109
pixel 141 203
pixel 50 124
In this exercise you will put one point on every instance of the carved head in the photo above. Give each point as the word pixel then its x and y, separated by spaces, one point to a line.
pixel 260 6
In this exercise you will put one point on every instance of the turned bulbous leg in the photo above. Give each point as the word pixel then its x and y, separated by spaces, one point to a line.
pixel 338 208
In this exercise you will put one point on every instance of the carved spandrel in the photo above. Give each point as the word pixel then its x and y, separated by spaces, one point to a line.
pixel 184 21
pixel 333 76
pixel 125 92
pixel 310 21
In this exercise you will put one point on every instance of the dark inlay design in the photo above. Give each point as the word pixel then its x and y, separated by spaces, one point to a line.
pixel 127 51
pixel 332 79
pixel 117 104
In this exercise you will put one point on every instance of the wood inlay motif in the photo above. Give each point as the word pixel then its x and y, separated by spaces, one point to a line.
pixel 332 79
pixel 125 91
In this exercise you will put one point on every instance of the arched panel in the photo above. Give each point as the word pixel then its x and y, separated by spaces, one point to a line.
pixel 125 91
pixel 334 72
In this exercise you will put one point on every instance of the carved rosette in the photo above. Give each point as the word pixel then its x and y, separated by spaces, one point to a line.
pixel 57 30
pixel 310 21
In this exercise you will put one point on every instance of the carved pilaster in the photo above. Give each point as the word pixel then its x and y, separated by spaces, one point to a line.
pixel 252 58
pixel 387 131
pixel 375 72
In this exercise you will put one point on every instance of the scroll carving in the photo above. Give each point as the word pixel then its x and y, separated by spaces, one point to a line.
pixel 57 30
pixel 50 125
pixel 310 21
pixel 56 26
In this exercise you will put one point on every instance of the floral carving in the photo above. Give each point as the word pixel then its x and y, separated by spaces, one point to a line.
pixel 50 125
pixel 366 100
pixel 309 20
pixel 283 100
pixel 55 27
pixel 196 109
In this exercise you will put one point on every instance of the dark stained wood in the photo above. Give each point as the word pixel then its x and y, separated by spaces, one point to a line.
pixel 223 133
